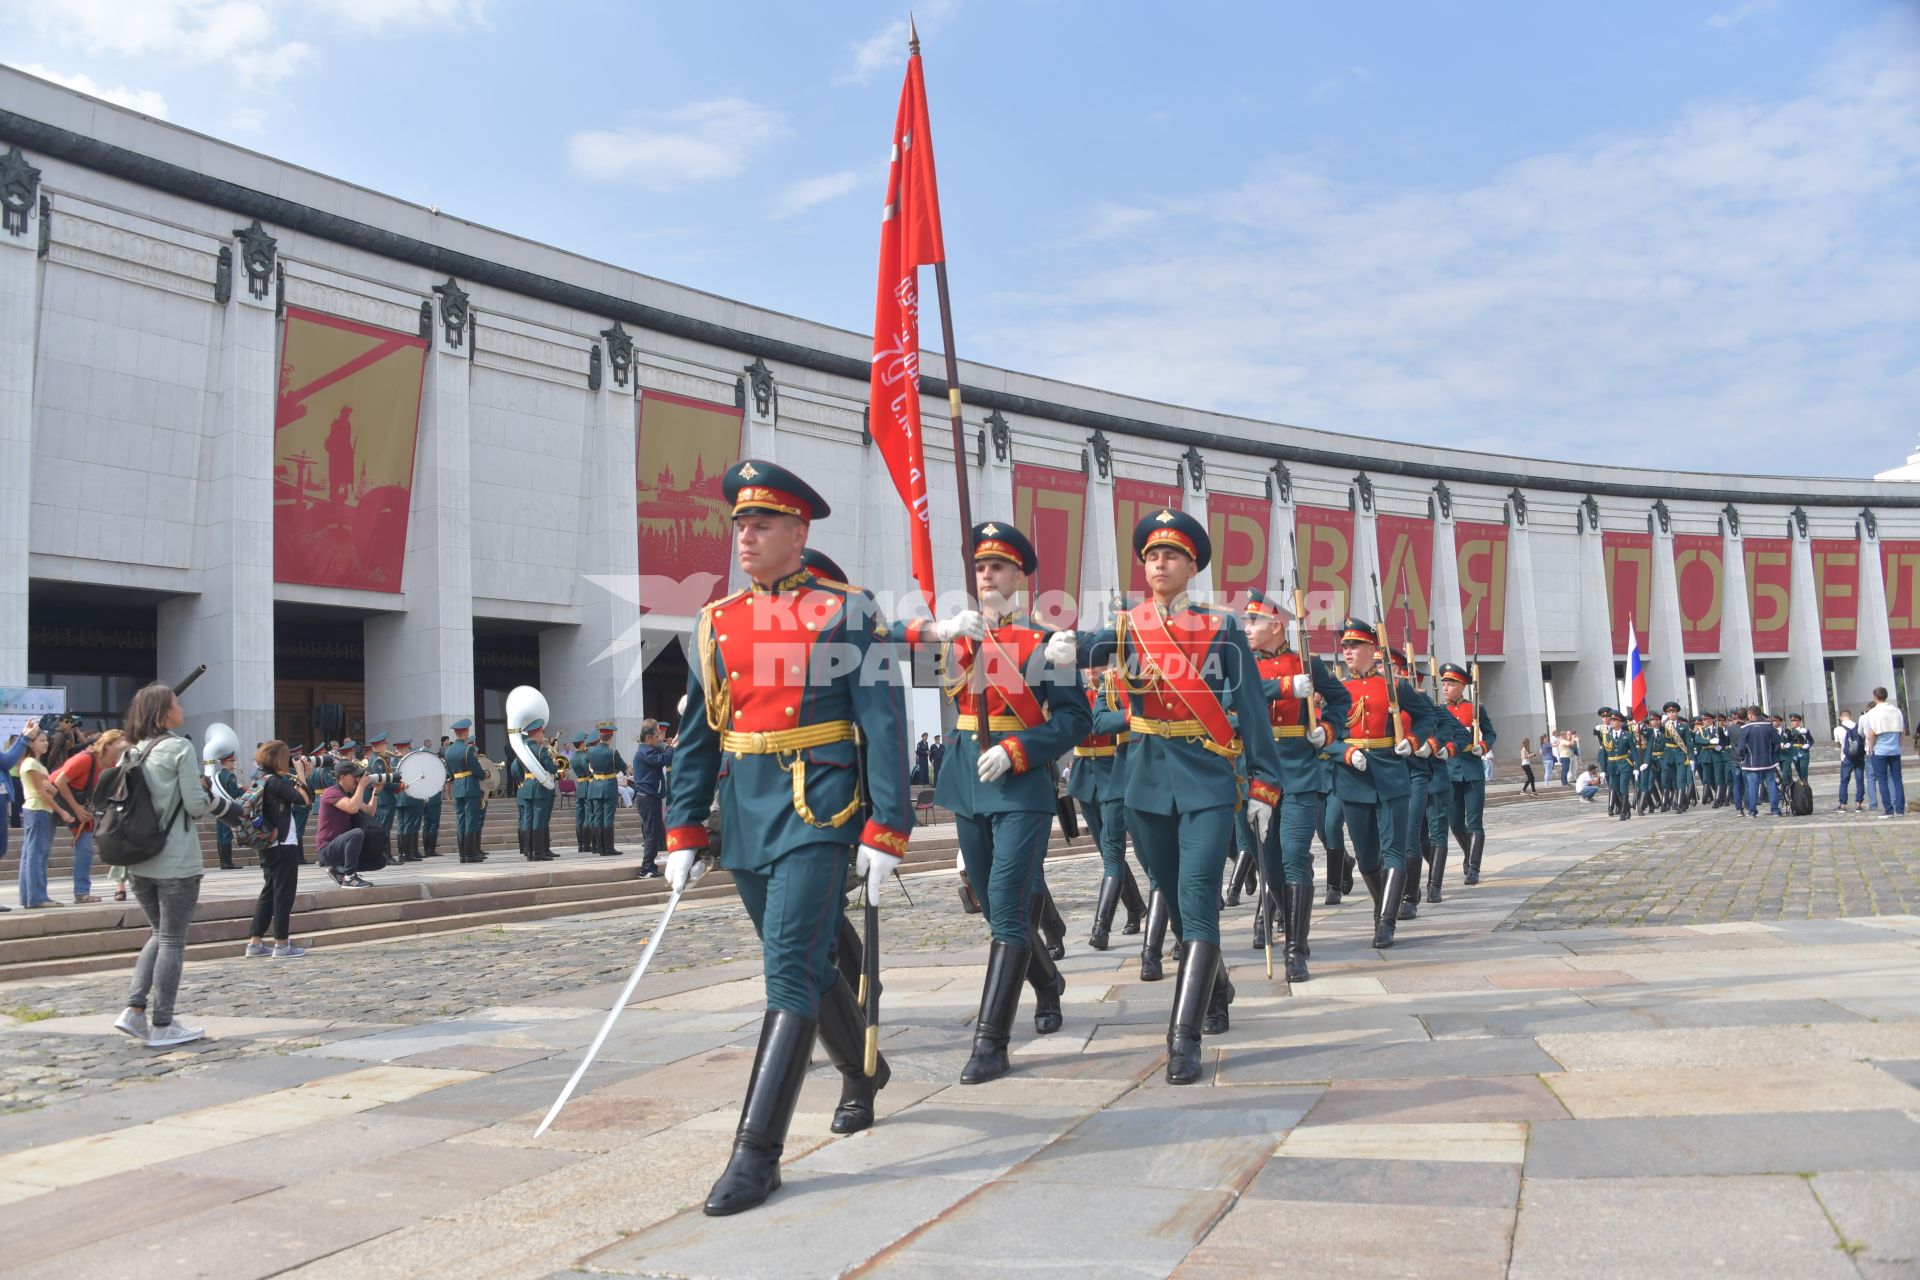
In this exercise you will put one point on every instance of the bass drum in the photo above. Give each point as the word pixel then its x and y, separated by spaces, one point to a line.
pixel 423 774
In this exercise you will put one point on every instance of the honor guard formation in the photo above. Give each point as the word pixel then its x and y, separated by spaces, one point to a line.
pixel 1716 759
pixel 1201 737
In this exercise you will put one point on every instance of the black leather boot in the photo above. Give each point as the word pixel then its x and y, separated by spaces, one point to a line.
pixel 1199 962
pixel 1410 893
pixel 779 1067
pixel 1261 910
pixel 1242 868
pixel 1048 987
pixel 1103 912
pixel 1335 873
pixel 1053 930
pixel 1437 872
pixel 520 836
pixel 999 997
pixel 1391 888
pixel 1130 899
pixel 1217 1022
pixel 1296 905
pixel 849 956
pixel 1151 945
pixel 1346 876
pixel 1413 881
pixel 1473 859
pixel 1376 886
pixel 843 1034
pixel 546 845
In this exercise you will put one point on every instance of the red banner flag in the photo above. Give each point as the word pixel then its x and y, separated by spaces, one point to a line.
pixel 909 239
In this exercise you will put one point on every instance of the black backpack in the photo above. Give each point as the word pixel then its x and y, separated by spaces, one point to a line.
pixel 1855 745
pixel 127 828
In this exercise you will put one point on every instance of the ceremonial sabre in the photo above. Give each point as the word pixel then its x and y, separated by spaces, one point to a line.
pixel 870 984
pixel 626 994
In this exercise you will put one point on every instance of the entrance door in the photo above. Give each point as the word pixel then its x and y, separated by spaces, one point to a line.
pixel 315 711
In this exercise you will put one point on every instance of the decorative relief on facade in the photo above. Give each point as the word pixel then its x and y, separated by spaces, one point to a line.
pixel 351 305
pixel 619 352
pixel 127 255
pixel 19 185
pixel 522 353
pixel 766 398
pixel 652 377
pixel 454 311
pixel 257 248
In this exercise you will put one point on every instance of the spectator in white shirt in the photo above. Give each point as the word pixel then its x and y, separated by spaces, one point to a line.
pixel 1885 728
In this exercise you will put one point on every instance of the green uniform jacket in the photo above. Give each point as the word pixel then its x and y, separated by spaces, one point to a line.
pixel 526 786
pixel 1303 766
pixel 1097 778
pixel 1064 695
pixel 1465 766
pixel 463 757
pixel 1387 777
pixel 846 680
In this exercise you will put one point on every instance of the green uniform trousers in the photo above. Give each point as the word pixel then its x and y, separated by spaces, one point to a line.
pixel 408 814
pixel 1287 857
pixel 1107 823
pixel 1379 834
pixel 1468 806
pixel 795 903
pixel 468 814
pixel 1002 852
pixel 1184 854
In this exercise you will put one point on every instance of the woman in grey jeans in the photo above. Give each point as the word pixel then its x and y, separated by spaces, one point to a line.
pixel 167 885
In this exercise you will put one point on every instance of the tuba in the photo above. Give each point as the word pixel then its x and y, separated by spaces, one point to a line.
pixel 222 742
pixel 527 709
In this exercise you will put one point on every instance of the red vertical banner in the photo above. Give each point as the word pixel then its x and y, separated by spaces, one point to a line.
pixel 1324 555
pixel 1900 570
pixel 1133 499
pixel 1629 559
pixel 1769 591
pixel 344 426
pixel 1050 507
pixel 1836 585
pixel 1700 575
pixel 683 451
pixel 1480 558
pixel 1406 577
pixel 1238 527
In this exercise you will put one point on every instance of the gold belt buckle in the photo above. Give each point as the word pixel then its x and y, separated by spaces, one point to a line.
pixel 759 743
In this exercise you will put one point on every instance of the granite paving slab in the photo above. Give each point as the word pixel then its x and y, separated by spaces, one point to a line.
pixel 1388 1182
pixel 1730 1090
pixel 126 1203
pixel 1446 1100
pixel 1877 1216
pixel 1327 1238
pixel 1726 1144
pixel 1505 1057
pixel 1682 1228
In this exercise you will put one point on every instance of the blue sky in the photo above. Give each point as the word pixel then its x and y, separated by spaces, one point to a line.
pixel 1683 235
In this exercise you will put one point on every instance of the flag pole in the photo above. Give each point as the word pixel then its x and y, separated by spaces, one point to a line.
pixel 962 490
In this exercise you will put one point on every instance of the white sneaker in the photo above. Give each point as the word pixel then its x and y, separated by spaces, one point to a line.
pixel 134 1022
pixel 288 951
pixel 172 1034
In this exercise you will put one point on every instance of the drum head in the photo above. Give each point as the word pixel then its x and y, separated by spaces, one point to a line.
pixel 422 774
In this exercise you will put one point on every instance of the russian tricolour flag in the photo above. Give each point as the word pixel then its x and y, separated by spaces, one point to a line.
pixel 1636 675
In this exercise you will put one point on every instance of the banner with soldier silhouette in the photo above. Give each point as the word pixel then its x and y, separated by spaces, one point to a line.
pixel 344 427
pixel 686 530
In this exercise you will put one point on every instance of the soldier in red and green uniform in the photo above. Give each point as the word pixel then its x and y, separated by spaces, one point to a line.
pixel 783 710
pixel 1467 815
pixel 1098 781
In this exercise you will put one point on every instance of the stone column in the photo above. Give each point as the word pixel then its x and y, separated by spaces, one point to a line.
pixel 1193 470
pixel 1729 681
pixel 1446 628
pixel 19 338
pixel 1798 682
pixel 993 491
pixel 1518 693
pixel 1871 666
pixel 1100 551
pixel 1362 602
pixel 419 663
pixel 1590 684
pixel 592 671
pixel 1667 671
pixel 229 624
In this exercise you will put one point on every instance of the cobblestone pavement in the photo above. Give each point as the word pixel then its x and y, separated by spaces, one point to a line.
pixel 416 980
pixel 1713 867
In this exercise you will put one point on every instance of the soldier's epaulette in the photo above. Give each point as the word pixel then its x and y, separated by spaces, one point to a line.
pixel 724 600
pixel 837 585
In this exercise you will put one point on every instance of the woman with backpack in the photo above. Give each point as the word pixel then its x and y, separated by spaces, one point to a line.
pixel 75 781
pixel 166 883
pixel 282 790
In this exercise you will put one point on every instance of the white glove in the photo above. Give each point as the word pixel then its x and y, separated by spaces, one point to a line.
pixel 680 708
pixel 1474 750
pixel 1317 736
pixel 1303 685
pixel 960 861
pixel 1357 759
pixel 685 867
pixel 1403 748
pixel 994 765
pixel 876 865
pixel 1259 817
pixel 1424 750
pixel 1061 649
pixel 970 623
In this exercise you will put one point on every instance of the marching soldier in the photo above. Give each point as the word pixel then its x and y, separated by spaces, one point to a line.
pixel 999 785
pixel 1333 838
pixel 1676 758
pixel 1374 786
pixel 408 812
pixel 1468 772
pixel 533 801
pixel 773 702
pixel 1098 782
pixel 1427 783
pixel 469 807
pixel 1618 754
pixel 1190 675
pixel 1301 741
pixel 603 787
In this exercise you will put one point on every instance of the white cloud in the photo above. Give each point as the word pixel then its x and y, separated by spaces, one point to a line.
pixel 145 101
pixel 239 33
pixel 1737 290
pixel 699 142
pixel 388 15
pixel 251 120
pixel 798 197
pixel 1741 12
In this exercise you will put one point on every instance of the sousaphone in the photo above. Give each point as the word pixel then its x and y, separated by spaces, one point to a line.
pixel 527 709
pixel 222 742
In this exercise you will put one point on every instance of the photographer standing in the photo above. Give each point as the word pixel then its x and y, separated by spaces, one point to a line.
pixel 280 795
pixel 75 781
